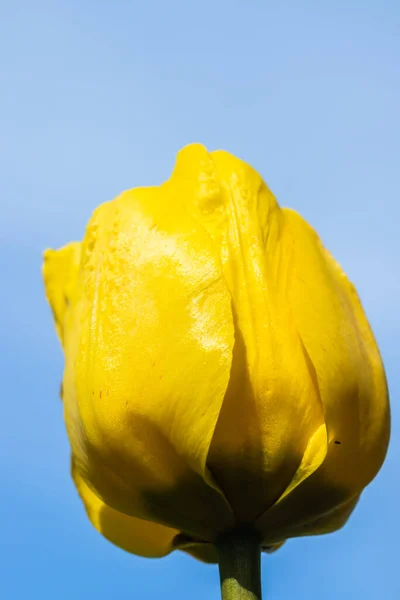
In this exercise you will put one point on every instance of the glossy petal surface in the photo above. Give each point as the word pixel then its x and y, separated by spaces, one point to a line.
pixel 272 406
pixel 148 356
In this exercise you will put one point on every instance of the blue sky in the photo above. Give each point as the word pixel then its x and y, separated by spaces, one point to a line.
pixel 97 97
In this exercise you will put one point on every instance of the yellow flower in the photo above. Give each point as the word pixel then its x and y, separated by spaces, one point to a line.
pixel 219 369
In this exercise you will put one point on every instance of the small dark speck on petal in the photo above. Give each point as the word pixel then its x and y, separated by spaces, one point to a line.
pixel 337 442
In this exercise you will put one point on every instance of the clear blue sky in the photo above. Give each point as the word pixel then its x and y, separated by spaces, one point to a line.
pixel 97 97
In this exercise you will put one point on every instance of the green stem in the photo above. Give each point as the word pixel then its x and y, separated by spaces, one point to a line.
pixel 239 555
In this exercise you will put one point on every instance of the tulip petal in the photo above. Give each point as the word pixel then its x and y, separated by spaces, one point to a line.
pixel 60 274
pixel 348 367
pixel 129 533
pixel 307 512
pixel 313 457
pixel 272 405
pixel 206 553
pixel 148 359
pixel 271 548
pixel 352 385
pixel 332 521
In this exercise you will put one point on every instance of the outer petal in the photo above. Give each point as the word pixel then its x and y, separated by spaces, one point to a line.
pixel 352 384
pixel 148 358
pixel 328 522
pixel 272 407
pixel 349 370
pixel 129 533
pixel 60 274
pixel 204 552
pixel 303 514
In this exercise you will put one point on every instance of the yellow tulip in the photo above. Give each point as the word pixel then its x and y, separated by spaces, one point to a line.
pixel 220 373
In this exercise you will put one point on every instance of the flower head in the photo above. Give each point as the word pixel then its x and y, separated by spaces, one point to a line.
pixel 219 369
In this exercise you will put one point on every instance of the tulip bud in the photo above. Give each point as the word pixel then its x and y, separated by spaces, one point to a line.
pixel 220 373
